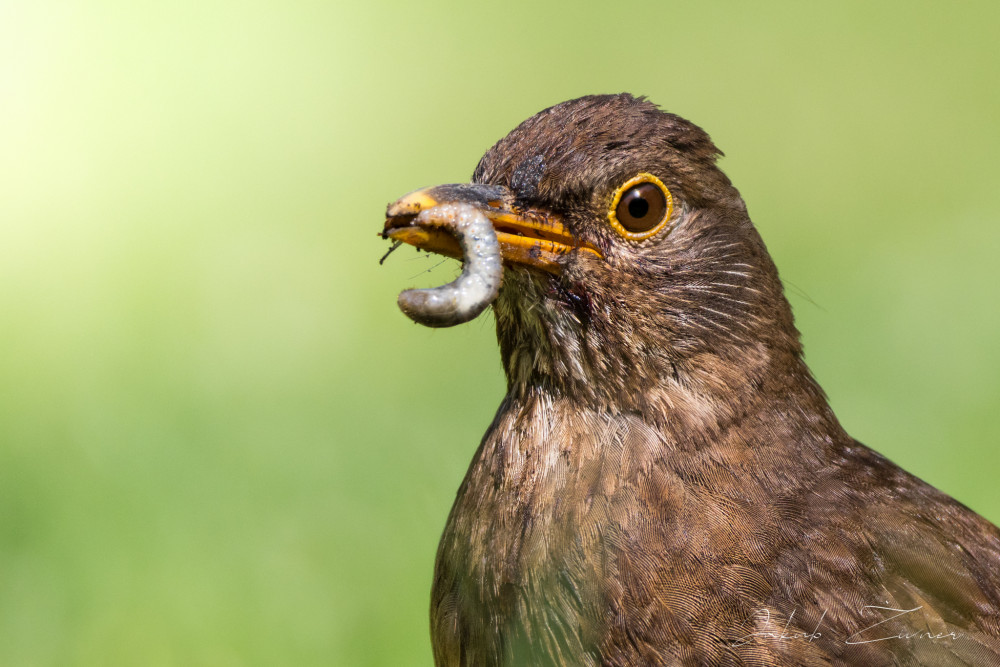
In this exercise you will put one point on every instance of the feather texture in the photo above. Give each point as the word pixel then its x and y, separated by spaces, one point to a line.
pixel 665 483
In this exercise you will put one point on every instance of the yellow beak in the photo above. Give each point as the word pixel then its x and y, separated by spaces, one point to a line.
pixel 534 237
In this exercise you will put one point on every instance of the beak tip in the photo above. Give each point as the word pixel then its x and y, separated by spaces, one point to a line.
pixel 410 204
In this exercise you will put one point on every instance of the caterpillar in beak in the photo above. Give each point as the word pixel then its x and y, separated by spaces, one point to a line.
pixel 479 283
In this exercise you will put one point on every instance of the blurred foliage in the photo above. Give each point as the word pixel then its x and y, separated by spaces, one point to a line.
pixel 220 442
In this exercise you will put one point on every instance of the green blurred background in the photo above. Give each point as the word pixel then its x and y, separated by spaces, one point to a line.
pixel 221 443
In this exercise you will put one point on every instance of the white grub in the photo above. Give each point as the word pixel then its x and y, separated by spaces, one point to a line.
pixel 468 295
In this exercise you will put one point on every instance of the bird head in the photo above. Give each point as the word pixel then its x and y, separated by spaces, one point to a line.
pixel 633 276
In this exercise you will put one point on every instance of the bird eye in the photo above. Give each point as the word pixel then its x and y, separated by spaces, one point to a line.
pixel 641 207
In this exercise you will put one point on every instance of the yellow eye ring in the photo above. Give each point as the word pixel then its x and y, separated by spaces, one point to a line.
pixel 641 207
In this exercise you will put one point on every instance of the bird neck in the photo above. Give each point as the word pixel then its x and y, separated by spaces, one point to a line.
pixel 771 424
pixel 695 397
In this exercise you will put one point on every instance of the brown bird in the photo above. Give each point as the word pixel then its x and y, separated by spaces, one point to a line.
pixel 664 482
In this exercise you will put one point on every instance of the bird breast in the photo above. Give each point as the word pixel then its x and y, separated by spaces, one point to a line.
pixel 551 491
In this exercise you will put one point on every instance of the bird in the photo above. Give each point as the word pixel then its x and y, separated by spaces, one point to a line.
pixel 664 482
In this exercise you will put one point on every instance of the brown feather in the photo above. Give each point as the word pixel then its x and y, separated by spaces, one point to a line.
pixel 664 482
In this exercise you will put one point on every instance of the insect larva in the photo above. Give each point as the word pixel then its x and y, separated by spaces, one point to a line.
pixel 468 295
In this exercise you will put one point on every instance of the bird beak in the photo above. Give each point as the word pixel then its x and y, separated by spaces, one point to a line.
pixel 527 236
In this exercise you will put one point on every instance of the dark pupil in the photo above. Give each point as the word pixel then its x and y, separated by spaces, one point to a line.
pixel 642 208
pixel 638 207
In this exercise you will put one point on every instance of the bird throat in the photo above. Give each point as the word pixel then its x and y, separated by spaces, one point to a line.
pixel 555 336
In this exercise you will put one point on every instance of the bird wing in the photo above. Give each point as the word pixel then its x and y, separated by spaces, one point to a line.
pixel 862 564
pixel 942 561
